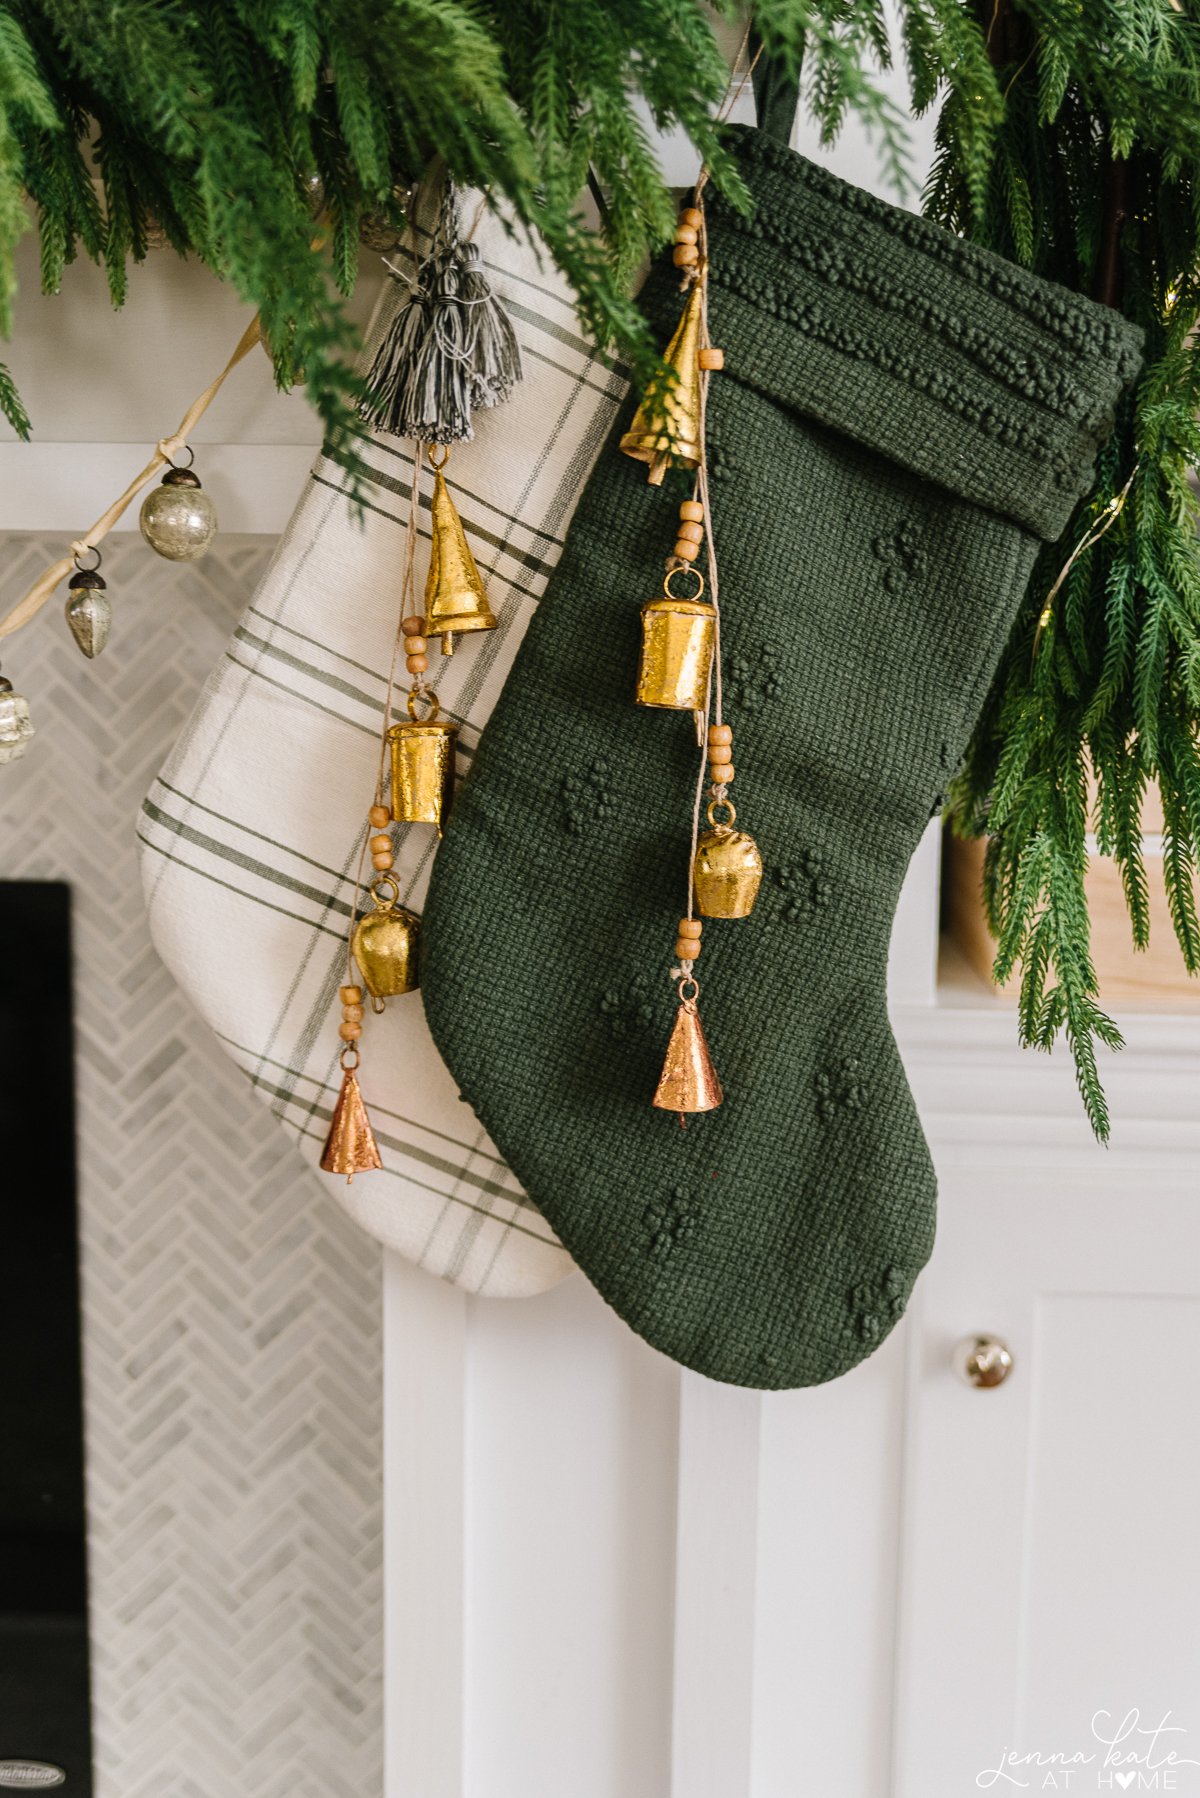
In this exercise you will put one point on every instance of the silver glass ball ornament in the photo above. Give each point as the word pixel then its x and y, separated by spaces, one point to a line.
pixel 16 726
pixel 89 611
pixel 178 519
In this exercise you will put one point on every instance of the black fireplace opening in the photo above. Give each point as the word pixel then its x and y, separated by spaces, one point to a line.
pixel 45 1714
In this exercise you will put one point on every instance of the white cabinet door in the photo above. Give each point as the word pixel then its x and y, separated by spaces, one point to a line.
pixel 1051 1559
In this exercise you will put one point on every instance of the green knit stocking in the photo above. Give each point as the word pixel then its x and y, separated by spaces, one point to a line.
pixel 902 420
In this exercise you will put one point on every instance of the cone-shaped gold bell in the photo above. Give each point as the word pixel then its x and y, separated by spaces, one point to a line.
pixel 689 1080
pixel 455 599
pixel 666 426
pixel 350 1148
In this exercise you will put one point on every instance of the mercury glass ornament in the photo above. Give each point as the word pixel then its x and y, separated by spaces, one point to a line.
pixel 16 726
pixel 89 611
pixel 178 519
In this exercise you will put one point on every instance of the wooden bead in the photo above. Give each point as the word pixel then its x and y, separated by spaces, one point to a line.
pixel 722 777
pixel 379 816
pixel 413 627
pixel 350 995
pixel 687 552
pixel 720 733
pixel 686 234
pixel 685 255
pixel 692 511
pixel 382 861
pixel 349 1033
pixel 416 646
pixel 691 215
pixel 382 844
pixel 352 1014
pixel 690 927
pixel 686 949
pixel 711 357
pixel 416 664
pixel 691 533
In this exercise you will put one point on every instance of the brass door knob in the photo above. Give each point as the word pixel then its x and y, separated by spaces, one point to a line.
pixel 983 1360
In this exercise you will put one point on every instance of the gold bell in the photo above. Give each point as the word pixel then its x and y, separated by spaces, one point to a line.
pixel 666 426
pixel 689 1080
pixel 422 754
pixel 677 649
pixel 727 871
pixel 455 599
pixel 350 1148
pixel 385 944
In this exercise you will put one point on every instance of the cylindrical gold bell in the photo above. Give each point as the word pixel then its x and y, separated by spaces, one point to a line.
pixel 385 943
pixel 677 650
pixel 727 871
pixel 422 754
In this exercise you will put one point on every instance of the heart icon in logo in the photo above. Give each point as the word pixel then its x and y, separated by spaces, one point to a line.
pixel 1125 1780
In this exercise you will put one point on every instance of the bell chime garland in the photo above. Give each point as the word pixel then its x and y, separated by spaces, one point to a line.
pixel 450 349
pixel 680 666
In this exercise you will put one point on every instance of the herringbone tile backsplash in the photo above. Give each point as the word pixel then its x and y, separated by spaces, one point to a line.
pixel 231 1312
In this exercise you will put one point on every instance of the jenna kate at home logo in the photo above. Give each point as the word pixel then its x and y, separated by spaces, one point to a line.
pixel 1129 1753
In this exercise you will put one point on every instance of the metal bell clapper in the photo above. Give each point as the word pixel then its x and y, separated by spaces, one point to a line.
pixel 455 600
pixel 688 1082
pixel 677 649
pixel 728 870
pixel 385 944
pixel 422 755
pixel 16 726
pixel 666 426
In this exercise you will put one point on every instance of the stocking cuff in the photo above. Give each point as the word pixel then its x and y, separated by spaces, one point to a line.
pixel 953 362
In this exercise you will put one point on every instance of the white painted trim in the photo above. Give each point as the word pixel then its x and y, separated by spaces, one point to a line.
pixel 716 1569
pixel 424 1466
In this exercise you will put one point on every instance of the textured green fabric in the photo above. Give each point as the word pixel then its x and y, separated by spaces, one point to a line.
pixel 902 417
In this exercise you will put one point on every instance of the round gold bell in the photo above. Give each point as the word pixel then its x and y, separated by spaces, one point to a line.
pixel 385 943
pixel 677 648
pixel 422 755
pixel 727 871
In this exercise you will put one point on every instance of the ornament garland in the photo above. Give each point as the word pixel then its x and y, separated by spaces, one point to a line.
pixel 680 664
pixel 178 520
pixel 431 362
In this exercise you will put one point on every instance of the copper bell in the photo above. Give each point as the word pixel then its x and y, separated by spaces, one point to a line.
pixel 688 1082
pixel 422 753
pixel 727 871
pixel 385 944
pixel 677 649
pixel 666 426
pixel 455 600
pixel 350 1148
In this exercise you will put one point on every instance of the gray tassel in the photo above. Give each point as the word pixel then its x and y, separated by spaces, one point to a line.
pixel 496 354
pixel 452 348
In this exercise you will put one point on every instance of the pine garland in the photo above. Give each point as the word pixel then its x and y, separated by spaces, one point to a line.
pixel 1081 162
pixel 212 121
pixel 1068 140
